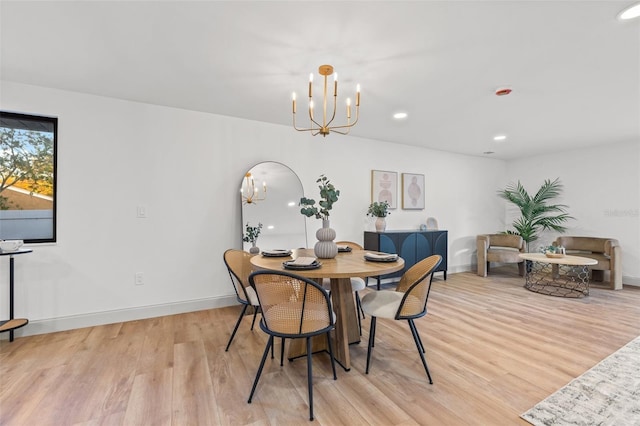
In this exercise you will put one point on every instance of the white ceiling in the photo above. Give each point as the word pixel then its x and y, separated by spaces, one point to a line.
pixel 573 67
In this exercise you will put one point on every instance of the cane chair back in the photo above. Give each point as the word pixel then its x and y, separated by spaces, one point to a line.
pixel 416 286
pixel 238 264
pixel 292 306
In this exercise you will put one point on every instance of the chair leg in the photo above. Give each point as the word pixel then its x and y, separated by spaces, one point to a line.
pixel 420 341
pixel 310 378
pixel 372 336
pixel 255 314
pixel 359 305
pixel 358 310
pixel 333 360
pixel 233 333
pixel 264 357
pixel 416 338
pixel 282 353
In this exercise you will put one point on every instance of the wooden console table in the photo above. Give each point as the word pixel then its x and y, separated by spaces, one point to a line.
pixel 12 323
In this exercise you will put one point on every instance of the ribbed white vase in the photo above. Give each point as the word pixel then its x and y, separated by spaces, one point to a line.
pixel 325 248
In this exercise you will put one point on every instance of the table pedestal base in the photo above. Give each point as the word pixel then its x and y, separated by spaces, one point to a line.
pixel 557 279
pixel 344 307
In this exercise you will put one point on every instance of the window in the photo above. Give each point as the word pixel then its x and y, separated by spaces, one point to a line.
pixel 28 177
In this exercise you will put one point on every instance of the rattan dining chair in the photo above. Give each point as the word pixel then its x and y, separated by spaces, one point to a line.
pixel 239 266
pixel 357 283
pixel 407 302
pixel 292 307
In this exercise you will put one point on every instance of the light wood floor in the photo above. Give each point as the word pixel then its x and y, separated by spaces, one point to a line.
pixel 494 350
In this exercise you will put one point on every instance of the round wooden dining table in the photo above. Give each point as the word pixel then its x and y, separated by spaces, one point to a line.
pixel 339 270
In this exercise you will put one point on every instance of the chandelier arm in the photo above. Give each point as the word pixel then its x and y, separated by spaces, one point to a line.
pixel 302 129
pixel 335 104
pixel 333 129
pixel 346 126
pixel 313 121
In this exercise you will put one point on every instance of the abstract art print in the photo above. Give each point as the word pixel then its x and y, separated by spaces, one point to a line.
pixel 384 187
pixel 412 191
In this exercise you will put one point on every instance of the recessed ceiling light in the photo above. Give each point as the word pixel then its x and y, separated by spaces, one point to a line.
pixel 630 12
pixel 400 115
pixel 499 138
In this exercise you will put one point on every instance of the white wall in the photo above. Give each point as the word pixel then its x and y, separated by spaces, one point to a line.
pixel 602 190
pixel 185 167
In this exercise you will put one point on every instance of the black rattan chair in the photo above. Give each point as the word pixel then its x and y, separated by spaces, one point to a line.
pixel 292 307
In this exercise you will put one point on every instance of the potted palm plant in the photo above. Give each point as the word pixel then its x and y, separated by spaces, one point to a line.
pixel 379 210
pixel 325 248
pixel 536 212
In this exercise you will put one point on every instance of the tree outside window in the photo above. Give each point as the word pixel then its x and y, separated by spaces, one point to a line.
pixel 27 177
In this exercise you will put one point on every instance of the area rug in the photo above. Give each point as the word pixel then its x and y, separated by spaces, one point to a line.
pixel 607 394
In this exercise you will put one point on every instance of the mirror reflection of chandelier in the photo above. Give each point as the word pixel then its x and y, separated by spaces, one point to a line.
pixel 325 127
pixel 249 191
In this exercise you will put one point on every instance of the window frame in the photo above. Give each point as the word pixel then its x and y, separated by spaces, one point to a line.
pixel 48 121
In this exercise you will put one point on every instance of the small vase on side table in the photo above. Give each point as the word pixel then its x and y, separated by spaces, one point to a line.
pixel 381 224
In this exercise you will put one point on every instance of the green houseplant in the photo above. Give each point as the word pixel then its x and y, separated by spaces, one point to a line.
pixel 251 236
pixel 380 210
pixel 325 248
pixel 537 214
pixel 328 194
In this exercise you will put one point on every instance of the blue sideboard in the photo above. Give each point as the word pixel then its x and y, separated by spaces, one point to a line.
pixel 412 246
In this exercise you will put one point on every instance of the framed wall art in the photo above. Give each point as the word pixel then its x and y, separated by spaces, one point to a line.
pixel 412 191
pixel 384 187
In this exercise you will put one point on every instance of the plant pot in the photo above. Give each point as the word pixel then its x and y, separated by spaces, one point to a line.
pixel 381 224
pixel 325 248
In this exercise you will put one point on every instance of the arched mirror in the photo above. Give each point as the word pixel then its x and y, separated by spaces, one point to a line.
pixel 283 227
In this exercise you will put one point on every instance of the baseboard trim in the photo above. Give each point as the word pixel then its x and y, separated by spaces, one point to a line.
pixel 119 315
pixel 635 281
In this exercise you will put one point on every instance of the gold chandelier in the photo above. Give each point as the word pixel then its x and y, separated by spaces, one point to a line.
pixel 325 128
pixel 249 191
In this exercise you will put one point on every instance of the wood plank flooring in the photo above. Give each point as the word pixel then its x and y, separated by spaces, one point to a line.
pixel 494 350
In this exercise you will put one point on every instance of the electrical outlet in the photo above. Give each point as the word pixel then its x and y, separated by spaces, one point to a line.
pixel 139 278
pixel 141 211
